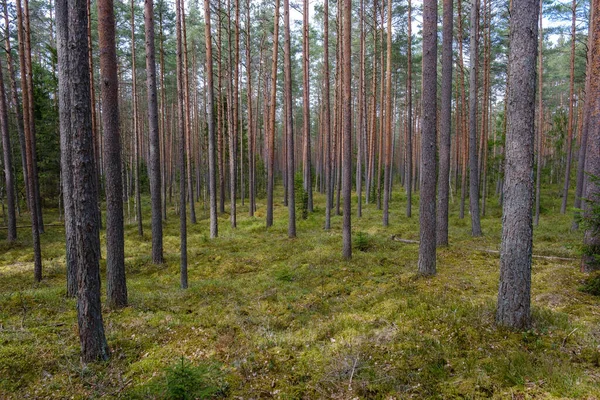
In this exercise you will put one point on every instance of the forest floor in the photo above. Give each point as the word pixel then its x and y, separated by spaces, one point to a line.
pixel 270 317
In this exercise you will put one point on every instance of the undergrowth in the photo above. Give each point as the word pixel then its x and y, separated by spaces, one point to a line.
pixel 267 316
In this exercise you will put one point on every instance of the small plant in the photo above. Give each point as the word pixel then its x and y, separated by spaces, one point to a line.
pixel 362 242
pixel 187 381
pixel 301 196
pixel 591 285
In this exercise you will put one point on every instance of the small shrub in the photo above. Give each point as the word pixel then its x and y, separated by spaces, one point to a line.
pixel 187 381
pixel 362 242
pixel 592 285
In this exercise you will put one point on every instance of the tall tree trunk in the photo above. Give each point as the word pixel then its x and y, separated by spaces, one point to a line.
pixel 182 145
pixel 11 233
pixel 135 130
pixel 212 181
pixel 163 115
pixel 591 239
pixel 287 66
pixel 361 127
pixel 271 158
pixel 155 178
pixel 388 119
pixel 16 104
pixel 30 103
pixel 408 180
pixel 116 287
pixel 306 102
pixel 463 102
pixel 563 207
pixel 514 293
pixel 64 101
pixel 347 130
pixel 251 130
pixel 84 183
pixel 220 119
pixel 427 203
pixel 538 180
pixel 327 117
pixel 29 150
pixel 445 126
pixel 473 157
pixel 188 119
pixel 231 124
pixel 584 127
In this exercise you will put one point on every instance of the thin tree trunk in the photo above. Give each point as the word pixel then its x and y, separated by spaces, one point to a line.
pixel 115 254
pixel 135 130
pixel 347 130
pixel 155 178
pixel 287 66
pixel 538 180
pixel 182 146
pixel 445 126
pixel 388 119
pixel 563 207
pixel 212 185
pixel 327 117
pixel 29 151
pixel 306 102
pixel 11 233
pixel 361 127
pixel 408 181
pixel 271 158
pixel 473 89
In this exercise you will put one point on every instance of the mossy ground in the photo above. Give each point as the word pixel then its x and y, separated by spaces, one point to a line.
pixel 288 318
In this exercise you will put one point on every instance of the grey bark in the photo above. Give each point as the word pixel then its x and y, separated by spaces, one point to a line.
pixel 289 121
pixel 347 129
pixel 445 126
pixel 514 293
pixel 11 233
pixel 473 157
pixel 116 287
pixel 427 203
pixel 154 170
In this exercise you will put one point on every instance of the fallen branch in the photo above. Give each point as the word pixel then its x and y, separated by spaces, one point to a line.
pixel 397 238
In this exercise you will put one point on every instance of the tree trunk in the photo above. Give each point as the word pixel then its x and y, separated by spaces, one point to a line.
pixel 361 127
pixel 408 181
pixel 64 101
pixel 347 130
pixel 591 239
pixel 155 178
pixel 74 66
pixel 427 203
pixel 271 158
pixel 231 124
pixel 116 287
pixel 327 117
pixel 517 233
pixel 182 146
pixel 445 127
pixel 388 119
pixel 212 182
pixel 135 130
pixel 11 233
pixel 287 66
pixel 563 207
pixel 29 151
pixel 538 180
pixel 473 157
pixel 306 102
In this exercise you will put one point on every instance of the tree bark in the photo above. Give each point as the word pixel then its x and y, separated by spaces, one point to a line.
pixel 135 130
pixel 84 183
pixel 427 203
pixel 271 158
pixel 347 130
pixel 445 126
pixel 212 182
pixel 116 287
pixel 155 178
pixel 514 294
pixel 289 121
pixel 182 147
pixel 11 232
pixel 327 117
pixel 591 239
pixel 306 102
pixel 540 128
pixel 473 157
pixel 408 180
pixel 388 120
